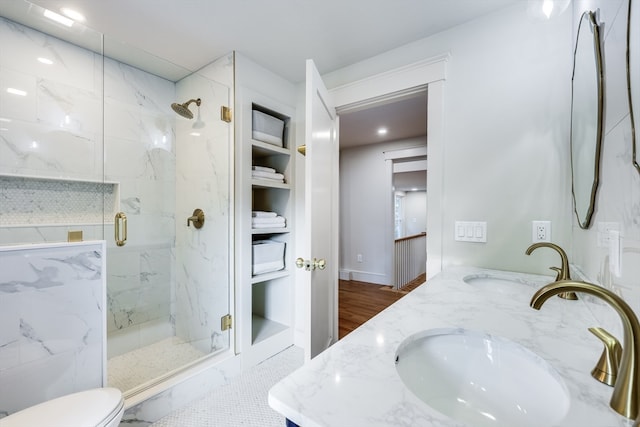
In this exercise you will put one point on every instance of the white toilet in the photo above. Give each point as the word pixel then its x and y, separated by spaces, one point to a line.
pixel 98 407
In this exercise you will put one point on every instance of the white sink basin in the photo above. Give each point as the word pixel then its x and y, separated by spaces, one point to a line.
pixel 481 379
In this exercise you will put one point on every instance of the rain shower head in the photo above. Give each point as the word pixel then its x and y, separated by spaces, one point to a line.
pixel 183 109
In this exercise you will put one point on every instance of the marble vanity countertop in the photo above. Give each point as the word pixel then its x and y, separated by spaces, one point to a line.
pixel 355 382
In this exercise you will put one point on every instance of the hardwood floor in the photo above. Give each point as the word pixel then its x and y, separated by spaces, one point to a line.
pixel 360 301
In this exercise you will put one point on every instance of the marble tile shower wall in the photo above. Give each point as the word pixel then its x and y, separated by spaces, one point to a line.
pixel 52 339
pixel 55 130
pixel 58 133
pixel 140 156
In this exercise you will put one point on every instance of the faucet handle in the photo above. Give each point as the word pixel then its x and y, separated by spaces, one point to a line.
pixel 606 370
pixel 565 295
pixel 558 271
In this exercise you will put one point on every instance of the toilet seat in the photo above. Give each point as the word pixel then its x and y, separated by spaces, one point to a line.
pixel 96 407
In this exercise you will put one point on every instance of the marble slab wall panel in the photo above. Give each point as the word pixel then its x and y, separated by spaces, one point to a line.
pixel 54 128
pixel 52 331
pixel 618 198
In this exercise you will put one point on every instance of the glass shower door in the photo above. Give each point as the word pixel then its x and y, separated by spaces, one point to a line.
pixel 168 286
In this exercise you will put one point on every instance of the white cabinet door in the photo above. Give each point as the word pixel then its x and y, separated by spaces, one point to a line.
pixel 321 214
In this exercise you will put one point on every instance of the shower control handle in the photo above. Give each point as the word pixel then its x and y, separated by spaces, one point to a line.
pixel 197 218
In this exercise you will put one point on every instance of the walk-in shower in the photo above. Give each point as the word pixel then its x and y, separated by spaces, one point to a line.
pixel 116 138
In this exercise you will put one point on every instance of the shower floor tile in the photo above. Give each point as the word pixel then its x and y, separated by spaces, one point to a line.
pixel 243 401
pixel 136 367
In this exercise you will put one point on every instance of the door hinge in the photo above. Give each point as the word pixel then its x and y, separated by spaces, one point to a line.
pixel 226 322
pixel 225 114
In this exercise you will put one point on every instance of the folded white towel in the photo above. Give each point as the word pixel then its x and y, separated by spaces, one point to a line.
pixel 263 214
pixel 261 136
pixel 267 267
pixel 264 169
pixel 268 220
pixel 267 175
pixel 279 225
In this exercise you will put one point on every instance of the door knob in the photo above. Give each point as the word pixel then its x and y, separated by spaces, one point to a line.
pixel 320 264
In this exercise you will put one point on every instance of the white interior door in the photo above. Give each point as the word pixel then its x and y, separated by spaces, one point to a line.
pixel 321 215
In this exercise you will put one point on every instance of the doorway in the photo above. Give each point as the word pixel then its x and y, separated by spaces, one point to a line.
pixel 368 158
pixel 394 85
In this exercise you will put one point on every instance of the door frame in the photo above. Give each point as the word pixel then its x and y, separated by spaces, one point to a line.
pixel 388 86
pixel 397 83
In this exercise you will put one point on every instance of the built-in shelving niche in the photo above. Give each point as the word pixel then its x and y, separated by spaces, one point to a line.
pixel 28 201
pixel 266 299
pixel 286 119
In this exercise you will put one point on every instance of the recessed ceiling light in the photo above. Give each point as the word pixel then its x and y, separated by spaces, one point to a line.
pixel 547 8
pixel 45 60
pixel 382 131
pixel 195 134
pixel 73 14
pixel 15 91
pixel 58 18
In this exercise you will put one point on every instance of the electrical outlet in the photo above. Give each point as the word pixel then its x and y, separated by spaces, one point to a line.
pixel 359 257
pixel 541 231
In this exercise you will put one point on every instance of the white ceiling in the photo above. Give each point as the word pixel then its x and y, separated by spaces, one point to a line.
pixel 172 38
pixel 278 34
pixel 403 119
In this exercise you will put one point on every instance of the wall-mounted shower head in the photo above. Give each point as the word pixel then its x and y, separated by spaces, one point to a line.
pixel 183 109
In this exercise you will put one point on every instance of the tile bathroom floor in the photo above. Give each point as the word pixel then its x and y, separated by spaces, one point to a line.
pixel 242 402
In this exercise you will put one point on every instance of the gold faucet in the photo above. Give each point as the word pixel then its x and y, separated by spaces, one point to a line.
pixel 625 398
pixel 562 272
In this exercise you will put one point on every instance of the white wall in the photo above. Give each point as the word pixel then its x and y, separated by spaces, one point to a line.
pixel 506 124
pixel 366 211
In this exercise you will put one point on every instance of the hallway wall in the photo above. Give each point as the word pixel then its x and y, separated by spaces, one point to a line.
pixel 366 211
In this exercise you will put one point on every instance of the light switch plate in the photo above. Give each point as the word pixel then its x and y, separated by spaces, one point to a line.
pixel 470 231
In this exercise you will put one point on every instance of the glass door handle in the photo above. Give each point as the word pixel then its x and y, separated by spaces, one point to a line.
pixel 120 239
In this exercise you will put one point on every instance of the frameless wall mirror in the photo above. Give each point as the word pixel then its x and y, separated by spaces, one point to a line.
pixel 586 117
pixel 633 69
